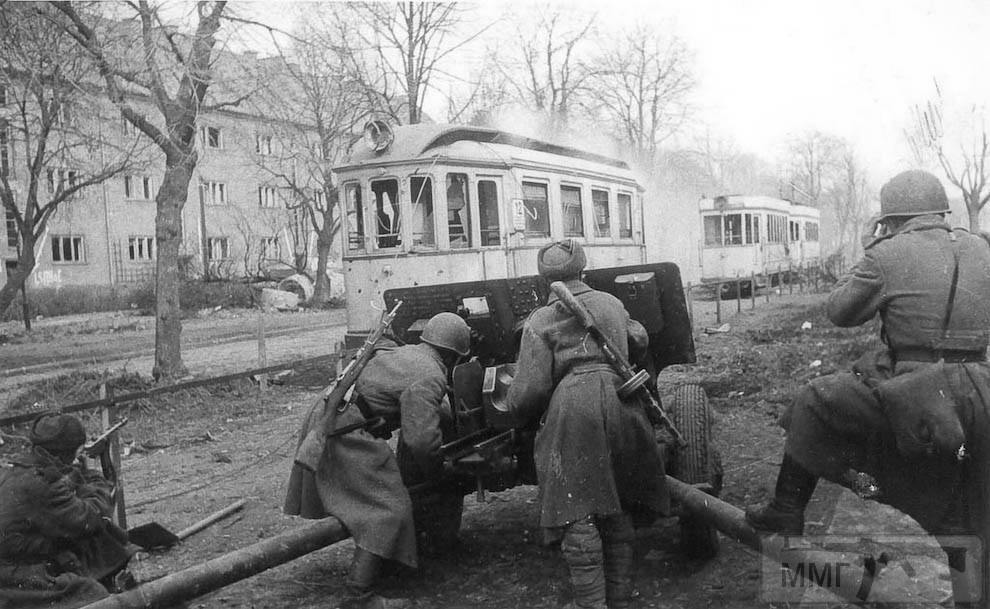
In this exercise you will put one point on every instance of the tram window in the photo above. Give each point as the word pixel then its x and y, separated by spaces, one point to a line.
pixel 488 208
pixel 776 228
pixel 713 231
pixel 733 229
pixel 599 201
pixel 625 215
pixel 355 217
pixel 752 228
pixel 537 209
pixel 811 231
pixel 458 211
pixel 795 230
pixel 387 212
pixel 423 231
pixel 570 200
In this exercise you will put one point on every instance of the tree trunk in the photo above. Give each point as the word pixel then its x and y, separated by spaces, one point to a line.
pixel 168 234
pixel 974 217
pixel 324 242
pixel 16 279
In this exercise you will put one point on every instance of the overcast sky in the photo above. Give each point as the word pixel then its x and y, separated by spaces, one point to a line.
pixel 769 69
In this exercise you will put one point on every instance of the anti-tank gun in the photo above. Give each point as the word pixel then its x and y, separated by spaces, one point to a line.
pixel 485 448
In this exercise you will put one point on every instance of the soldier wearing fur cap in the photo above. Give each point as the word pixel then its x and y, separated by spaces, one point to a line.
pixel 58 546
pixel 596 457
pixel 913 415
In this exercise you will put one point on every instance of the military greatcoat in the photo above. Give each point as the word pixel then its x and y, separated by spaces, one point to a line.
pixel 56 540
pixel 595 455
pixel 359 479
pixel 836 423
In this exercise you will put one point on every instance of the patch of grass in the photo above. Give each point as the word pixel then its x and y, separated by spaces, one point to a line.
pixel 195 295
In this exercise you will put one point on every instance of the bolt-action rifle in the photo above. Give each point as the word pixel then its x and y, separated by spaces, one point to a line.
pixel 635 381
pixel 311 448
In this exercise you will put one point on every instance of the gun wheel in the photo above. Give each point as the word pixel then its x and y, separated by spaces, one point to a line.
pixel 696 463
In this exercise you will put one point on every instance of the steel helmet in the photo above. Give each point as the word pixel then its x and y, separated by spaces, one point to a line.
pixel 448 331
pixel 561 260
pixel 913 193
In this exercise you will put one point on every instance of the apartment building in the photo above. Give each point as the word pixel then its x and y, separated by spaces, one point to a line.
pixel 239 219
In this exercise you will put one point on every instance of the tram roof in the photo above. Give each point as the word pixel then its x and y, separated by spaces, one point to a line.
pixel 427 141
pixel 753 202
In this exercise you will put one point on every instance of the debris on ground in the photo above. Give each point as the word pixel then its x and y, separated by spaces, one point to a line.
pixel 723 329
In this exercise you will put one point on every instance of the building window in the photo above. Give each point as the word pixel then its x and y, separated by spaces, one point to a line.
pixel 268 196
pixel 354 212
pixel 386 193
pixel 213 193
pixel 599 204
pixel 811 231
pixel 263 144
pixel 13 235
pixel 67 249
pixel 137 187
pixel 625 215
pixel 458 211
pixel 141 248
pixel 211 137
pixel 268 249
pixel 5 153
pixel 423 220
pixel 491 233
pixel 536 208
pixel 59 179
pixel 570 201
pixel 217 248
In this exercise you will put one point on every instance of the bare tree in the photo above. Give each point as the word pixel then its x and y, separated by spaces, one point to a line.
pixel 965 168
pixel 813 159
pixel 319 110
pixel 175 71
pixel 549 67
pixel 54 141
pixel 848 202
pixel 641 89
pixel 396 50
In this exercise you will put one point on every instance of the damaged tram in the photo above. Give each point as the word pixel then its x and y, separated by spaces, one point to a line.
pixel 438 204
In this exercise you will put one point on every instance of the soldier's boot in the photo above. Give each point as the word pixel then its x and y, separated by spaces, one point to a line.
pixel 785 512
pixel 359 587
pixel 618 535
pixel 582 550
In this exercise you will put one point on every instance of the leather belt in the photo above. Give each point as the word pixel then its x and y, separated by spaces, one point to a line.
pixel 952 356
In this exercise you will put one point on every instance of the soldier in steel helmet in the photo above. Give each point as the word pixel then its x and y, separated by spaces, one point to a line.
pixel 364 484
pixel 58 546
pixel 596 457
pixel 837 425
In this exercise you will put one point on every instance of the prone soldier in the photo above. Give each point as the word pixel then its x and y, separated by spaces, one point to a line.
pixel 58 545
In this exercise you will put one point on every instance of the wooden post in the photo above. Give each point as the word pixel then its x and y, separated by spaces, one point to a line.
pixel 690 304
pixel 718 303
pixel 262 352
pixel 738 294
pixel 780 280
pixel 790 278
pixel 818 273
pixel 752 290
pixel 108 416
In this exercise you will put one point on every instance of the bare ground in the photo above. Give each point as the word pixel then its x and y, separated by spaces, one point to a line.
pixel 196 453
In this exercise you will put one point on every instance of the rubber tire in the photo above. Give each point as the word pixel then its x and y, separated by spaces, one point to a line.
pixel 698 462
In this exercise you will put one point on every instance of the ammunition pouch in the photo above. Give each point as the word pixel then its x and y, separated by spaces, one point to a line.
pixel 920 407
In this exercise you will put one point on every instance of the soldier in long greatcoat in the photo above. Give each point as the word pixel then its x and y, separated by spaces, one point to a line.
pixel 58 546
pixel 596 457
pixel 837 426
pixel 360 480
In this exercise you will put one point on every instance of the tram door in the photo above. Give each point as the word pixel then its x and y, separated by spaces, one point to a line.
pixel 493 228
